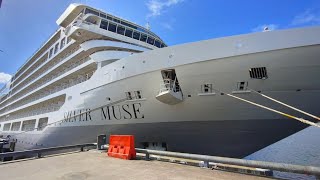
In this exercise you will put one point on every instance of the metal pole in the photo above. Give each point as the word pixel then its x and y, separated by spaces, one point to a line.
pixel 240 162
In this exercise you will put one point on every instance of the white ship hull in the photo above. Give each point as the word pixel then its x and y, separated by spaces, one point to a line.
pixel 208 124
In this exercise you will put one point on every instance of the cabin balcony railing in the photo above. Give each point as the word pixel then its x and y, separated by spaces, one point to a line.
pixel 25 95
pixel 23 83
pixel 169 85
pixel 13 97
pixel 41 95
pixel 17 76
pixel 55 106
pixel 46 108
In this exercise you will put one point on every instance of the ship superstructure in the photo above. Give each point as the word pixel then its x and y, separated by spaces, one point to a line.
pixel 37 87
pixel 102 74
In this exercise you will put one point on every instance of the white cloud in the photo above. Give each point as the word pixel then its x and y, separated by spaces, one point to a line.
pixel 156 7
pixel 310 16
pixel 4 78
pixel 262 27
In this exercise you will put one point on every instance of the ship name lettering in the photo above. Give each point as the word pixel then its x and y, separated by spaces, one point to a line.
pixel 124 111
pixel 80 115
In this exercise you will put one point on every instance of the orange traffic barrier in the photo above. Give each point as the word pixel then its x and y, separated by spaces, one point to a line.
pixel 122 146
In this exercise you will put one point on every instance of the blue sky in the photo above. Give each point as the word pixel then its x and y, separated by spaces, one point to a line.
pixel 26 24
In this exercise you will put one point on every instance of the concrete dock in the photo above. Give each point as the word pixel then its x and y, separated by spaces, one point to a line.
pixel 96 165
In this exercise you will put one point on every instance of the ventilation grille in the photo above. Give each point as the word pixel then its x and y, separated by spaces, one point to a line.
pixel 258 73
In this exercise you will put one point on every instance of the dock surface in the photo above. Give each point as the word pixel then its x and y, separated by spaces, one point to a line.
pixel 96 165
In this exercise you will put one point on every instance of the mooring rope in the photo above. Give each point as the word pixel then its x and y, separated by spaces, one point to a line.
pixel 282 103
pixel 273 110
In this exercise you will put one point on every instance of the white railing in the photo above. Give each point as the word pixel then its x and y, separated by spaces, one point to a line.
pixel 44 108
pixel 46 68
pixel 61 86
pixel 169 85
pixel 46 80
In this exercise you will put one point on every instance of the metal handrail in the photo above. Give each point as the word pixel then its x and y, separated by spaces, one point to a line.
pixel 38 152
pixel 311 170
pixel 283 167
pixel 233 161
pixel 169 84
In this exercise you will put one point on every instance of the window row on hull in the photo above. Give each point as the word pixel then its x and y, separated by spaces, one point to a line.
pixel 27 125
pixel 47 106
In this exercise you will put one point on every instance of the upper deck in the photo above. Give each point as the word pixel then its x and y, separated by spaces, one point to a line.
pixel 111 23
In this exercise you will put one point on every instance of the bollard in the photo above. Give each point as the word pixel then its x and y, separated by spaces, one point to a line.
pixel 101 141
pixel 147 156
pixel 204 164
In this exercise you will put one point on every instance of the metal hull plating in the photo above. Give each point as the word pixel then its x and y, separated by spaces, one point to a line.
pixel 222 138
pixel 213 124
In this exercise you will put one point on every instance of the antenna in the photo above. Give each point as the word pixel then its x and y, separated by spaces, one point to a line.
pixel 148 26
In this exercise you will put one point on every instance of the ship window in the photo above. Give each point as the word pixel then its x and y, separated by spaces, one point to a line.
pixel 51 52
pixel 258 73
pixel 109 17
pixel 143 37
pixel 68 39
pixel 138 94
pixel 242 86
pixel 43 122
pixel 15 126
pixel 129 96
pixel 104 25
pixel 150 40
pixel 90 11
pixel 206 88
pixel 120 30
pixel 116 20
pixel 129 32
pixel 103 15
pixel 112 27
pixel 6 127
pixel 63 42
pixel 136 35
pixel 56 48
pixel 157 43
pixel 28 125
pixel 129 25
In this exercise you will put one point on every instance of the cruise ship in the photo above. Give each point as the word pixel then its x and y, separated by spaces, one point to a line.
pixel 101 74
